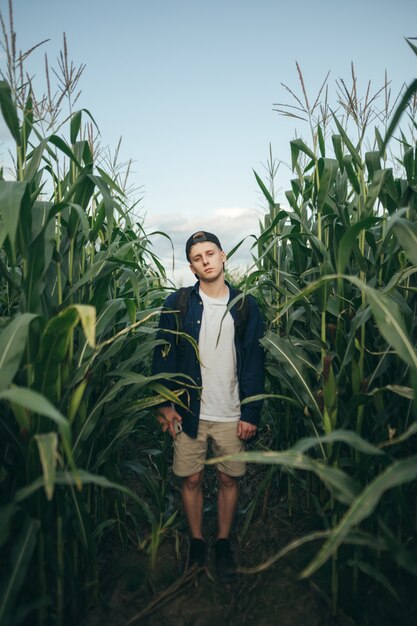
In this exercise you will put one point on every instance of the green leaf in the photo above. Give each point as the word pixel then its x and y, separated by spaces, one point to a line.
pixel 398 473
pixel 385 310
pixel 75 126
pixel 389 318
pixel 412 46
pixel 109 203
pixel 327 174
pixel 76 123
pixel 295 364
pixel 338 150
pixel 402 106
pixel 6 515
pixel 374 188
pixel 20 560
pixel 297 146
pixel 53 349
pixel 349 145
pixel 409 165
pixel 80 477
pixel 406 233
pixel 265 191
pixel 11 198
pixel 37 403
pixel 342 486
pixel 348 437
pixel 375 574
pixel 87 316
pixel 322 143
pixel 55 342
pixel 9 112
pixel 33 163
pixel 350 171
pixel 12 346
pixel 48 453
pixel 111 183
pixel 39 256
pixel 373 162
pixel 64 147
pixel 27 123
pixel 349 240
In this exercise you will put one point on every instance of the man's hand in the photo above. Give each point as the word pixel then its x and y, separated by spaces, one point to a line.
pixel 245 430
pixel 166 416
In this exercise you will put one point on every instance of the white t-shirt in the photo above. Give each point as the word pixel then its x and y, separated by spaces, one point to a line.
pixel 220 394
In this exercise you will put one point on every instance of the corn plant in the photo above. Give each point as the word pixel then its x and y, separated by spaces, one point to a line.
pixel 79 291
pixel 336 273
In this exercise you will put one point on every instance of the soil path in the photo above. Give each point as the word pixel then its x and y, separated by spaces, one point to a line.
pixel 165 597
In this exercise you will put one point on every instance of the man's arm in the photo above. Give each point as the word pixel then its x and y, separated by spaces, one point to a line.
pixel 165 360
pixel 253 371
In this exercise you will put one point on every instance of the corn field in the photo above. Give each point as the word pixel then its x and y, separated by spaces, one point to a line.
pixel 336 275
pixel 80 291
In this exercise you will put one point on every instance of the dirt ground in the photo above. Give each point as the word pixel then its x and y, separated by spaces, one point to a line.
pixel 132 593
pixel 165 596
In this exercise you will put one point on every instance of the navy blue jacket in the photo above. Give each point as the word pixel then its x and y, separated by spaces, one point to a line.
pixel 173 356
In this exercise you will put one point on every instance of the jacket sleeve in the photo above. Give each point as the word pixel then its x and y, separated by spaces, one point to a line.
pixel 252 377
pixel 165 356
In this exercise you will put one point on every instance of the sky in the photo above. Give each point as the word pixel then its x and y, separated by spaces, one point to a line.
pixel 190 87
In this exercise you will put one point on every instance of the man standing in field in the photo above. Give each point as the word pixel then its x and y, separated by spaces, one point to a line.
pixel 228 368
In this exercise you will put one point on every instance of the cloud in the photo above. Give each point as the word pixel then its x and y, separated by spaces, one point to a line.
pixel 231 225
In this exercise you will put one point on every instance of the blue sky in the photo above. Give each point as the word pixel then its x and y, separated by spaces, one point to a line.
pixel 190 87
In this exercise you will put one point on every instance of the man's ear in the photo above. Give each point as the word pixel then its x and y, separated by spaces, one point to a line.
pixel 192 271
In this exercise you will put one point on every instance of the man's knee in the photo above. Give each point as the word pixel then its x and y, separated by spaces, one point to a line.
pixel 228 482
pixel 193 482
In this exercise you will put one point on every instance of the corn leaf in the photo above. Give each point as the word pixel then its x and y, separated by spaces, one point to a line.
pixel 48 453
pixel 340 484
pixel 265 191
pixel 349 240
pixel 11 198
pixel 327 172
pixel 348 437
pixel 20 560
pixel 398 473
pixel 295 365
pixel 13 341
pixel 409 93
pixel 349 145
pixel 9 111
pixel 37 403
pixel 87 317
pixel 84 478
pixel 406 233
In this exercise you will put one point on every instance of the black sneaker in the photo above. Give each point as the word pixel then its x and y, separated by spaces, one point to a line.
pixel 225 562
pixel 196 553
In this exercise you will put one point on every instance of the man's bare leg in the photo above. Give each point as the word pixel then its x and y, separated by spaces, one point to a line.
pixel 192 500
pixel 226 504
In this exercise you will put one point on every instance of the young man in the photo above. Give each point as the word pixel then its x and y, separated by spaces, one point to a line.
pixel 228 368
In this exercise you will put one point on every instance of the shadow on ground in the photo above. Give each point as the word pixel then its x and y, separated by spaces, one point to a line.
pixel 164 596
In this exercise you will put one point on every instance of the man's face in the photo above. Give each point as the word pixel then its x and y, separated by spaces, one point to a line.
pixel 206 261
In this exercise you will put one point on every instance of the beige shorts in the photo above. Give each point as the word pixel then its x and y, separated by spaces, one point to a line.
pixel 190 454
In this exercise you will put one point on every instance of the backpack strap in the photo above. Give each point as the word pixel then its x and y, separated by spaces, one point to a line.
pixel 181 303
pixel 242 310
pixel 242 314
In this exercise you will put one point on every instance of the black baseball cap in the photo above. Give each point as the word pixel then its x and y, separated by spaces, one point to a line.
pixel 200 237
